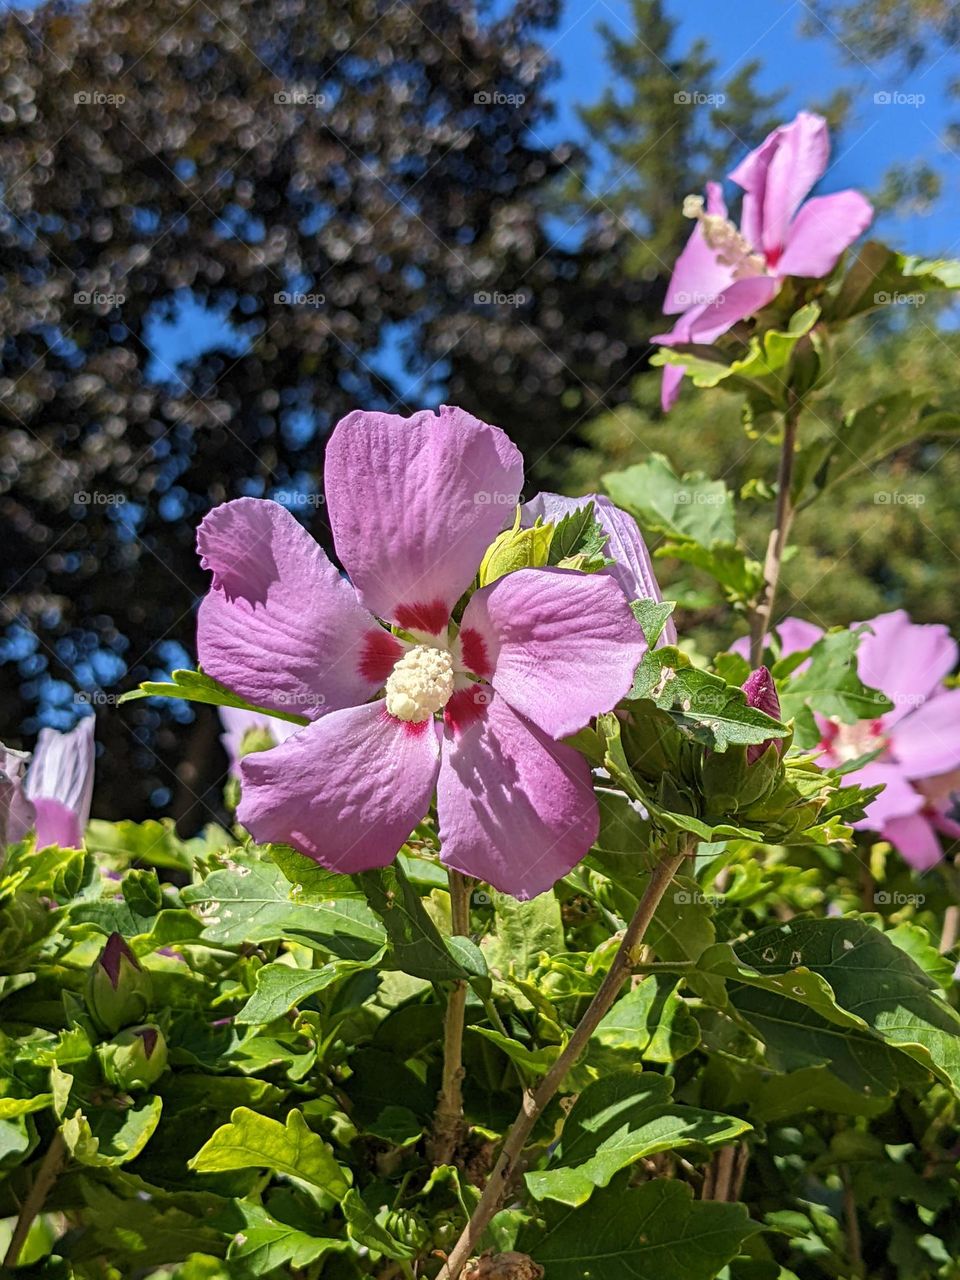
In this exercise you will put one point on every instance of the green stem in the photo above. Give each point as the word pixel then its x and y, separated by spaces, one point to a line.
pixel 500 1180
pixel 763 613
pixel 448 1118
pixel 47 1174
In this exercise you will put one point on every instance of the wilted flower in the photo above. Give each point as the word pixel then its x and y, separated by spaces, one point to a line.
pixel 726 273
pixel 414 504
pixel 918 740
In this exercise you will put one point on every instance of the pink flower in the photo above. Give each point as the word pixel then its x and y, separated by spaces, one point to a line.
pixel 59 785
pixel 632 567
pixel 918 740
pixel 725 273
pixel 472 713
pixel 16 811
pixel 238 722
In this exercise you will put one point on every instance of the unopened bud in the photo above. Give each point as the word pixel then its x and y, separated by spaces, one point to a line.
pixel 118 990
pixel 134 1059
pixel 761 693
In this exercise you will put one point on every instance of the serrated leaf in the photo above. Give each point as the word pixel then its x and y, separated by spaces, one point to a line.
pixel 196 686
pixel 617 1121
pixel 252 1141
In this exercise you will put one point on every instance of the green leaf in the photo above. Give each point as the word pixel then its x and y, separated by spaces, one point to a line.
pixel 689 507
pixel 524 930
pixel 250 901
pixel 653 1232
pixel 110 1136
pixel 877 274
pixel 262 1243
pixel 652 616
pixel 650 1021
pixel 252 1141
pixel 280 987
pixel 713 712
pixel 739 574
pixel 195 686
pixel 617 1121
pixel 866 436
pixel 869 990
pixel 830 685
pixel 578 541
pixel 363 1228
pixel 10 1107
pixel 416 945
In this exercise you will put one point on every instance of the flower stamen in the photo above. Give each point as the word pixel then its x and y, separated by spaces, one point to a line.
pixel 420 684
pixel 725 240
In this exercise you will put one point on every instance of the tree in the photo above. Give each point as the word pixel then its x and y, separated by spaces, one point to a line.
pixel 301 179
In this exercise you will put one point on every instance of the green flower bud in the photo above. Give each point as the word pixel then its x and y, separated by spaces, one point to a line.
pixel 134 1059
pixel 514 549
pixel 118 990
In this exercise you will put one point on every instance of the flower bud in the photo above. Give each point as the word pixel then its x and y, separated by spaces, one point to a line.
pixel 514 549
pixel 134 1059
pixel 761 693
pixel 118 990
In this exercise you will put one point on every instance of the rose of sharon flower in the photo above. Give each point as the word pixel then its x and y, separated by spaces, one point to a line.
pixel 59 784
pixel 918 740
pixel 726 273
pixel 472 713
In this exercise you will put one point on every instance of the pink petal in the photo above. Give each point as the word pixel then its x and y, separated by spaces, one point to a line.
pixel 17 814
pixel 698 275
pixel 238 722
pixel 776 178
pixel 898 799
pixel 670 385
pixel 905 660
pixel 60 783
pixel 739 301
pixel 563 645
pixel 633 568
pixel 346 790
pixel 414 503
pixel 927 741
pixel 915 840
pixel 280 626
pixel 515 809
pixel 824 227
pixel 796 634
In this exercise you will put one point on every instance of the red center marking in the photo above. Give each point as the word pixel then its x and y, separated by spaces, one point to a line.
pixel 466 706
pixel 473 649
pixel 431 616
pixel 380 653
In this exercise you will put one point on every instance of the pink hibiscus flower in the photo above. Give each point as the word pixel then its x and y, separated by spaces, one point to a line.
pixel 918 740
pixel 470 712
pixel 54 796
pixel 726 273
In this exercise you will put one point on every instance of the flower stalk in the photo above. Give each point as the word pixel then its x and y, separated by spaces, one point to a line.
pixel 534 1103
pixel 47 1174
pixel 448 1120
pixel 779 534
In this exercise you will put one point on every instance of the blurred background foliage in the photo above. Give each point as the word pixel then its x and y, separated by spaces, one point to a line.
pixel 385 165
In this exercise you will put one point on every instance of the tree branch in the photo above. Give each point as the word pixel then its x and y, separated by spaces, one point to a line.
pixel 47 1174
pixel 498 1184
